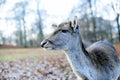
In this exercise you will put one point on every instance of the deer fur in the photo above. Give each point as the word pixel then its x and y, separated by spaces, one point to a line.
pixel 97 62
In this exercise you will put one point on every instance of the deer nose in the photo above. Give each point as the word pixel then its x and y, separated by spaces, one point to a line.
pixel 43 43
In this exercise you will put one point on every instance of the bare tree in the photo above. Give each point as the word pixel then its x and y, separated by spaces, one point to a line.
pixel 116 9
pixel 2 41
pixel 85 9
pixel 39 21
pixel 88 12
pixel 1 38
pixel 93 17
pixel 20 12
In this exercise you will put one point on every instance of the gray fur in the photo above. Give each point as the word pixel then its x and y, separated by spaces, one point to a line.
pixel 97 62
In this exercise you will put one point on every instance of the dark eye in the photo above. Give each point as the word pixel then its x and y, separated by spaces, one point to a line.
pixel 64 31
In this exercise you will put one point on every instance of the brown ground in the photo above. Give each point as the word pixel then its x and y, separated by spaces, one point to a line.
pixel 9 46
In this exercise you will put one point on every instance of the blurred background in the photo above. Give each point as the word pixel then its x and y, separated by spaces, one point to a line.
pixel 25 23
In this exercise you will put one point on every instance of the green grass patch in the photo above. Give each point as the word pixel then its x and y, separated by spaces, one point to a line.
pixel 17 56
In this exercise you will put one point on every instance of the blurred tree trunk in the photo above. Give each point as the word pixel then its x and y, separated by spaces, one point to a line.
pixel 93 20
pixel 24 37
pixel 20 11
pixel 118 25
pixel 39 24
pixel 2 41
pixel 24 27
pixel 111 35
pixel 114 7
pixel 20 34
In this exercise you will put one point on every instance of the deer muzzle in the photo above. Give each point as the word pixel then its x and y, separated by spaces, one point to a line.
pixel 47 44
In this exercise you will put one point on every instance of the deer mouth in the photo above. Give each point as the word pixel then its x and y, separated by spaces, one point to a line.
pixel 47 45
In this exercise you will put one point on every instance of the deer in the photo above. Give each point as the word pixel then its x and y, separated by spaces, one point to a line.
pixel 96 62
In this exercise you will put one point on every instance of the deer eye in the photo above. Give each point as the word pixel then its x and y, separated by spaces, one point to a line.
pixel 64 31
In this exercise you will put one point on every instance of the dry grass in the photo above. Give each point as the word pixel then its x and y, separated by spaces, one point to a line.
pixel 10 54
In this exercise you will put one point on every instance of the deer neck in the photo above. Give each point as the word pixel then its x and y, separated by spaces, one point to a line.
pixel 78 58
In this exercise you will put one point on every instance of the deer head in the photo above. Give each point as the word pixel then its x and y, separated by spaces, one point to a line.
pixel 64 37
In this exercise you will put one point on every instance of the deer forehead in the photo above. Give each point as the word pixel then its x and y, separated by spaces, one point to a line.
pixel 65 25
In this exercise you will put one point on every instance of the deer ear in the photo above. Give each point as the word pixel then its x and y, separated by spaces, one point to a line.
pixel 75 23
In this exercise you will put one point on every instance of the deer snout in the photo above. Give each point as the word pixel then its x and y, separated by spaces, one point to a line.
pixel 46 43
pixel 43 43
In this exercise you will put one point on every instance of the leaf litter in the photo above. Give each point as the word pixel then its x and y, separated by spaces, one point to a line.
pixel 37 68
